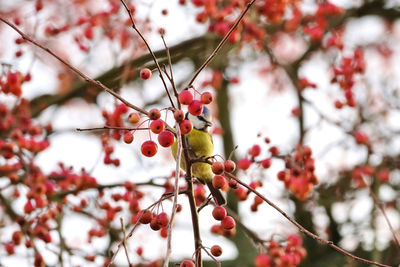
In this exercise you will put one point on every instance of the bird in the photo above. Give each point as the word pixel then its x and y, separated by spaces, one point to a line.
pixel 201 145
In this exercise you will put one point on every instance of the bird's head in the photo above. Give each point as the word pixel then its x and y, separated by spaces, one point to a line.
pixel 201 122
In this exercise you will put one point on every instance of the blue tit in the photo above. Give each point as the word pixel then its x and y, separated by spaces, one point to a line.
pixel 200 144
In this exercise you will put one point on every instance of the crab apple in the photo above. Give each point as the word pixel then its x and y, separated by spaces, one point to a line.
pixel 219 213
pixel 166 139
pixel 216 250
pixel 146 216
pixel 229 166
pixel 274 150
pixel 255 151
pixel 149 148
pixel 28 208
pixel 157 126
pixel 185 127
pixel 219 181
pixel 10 248
pixel 185 97
pixel 154 114
pixel 187 263
pixel 244 164
pixel 195 108
pixel 179 115
pixel 128 137
pixel 233 184
pixel 206 98
pixel 154 224
pixel 262 260
pixel 134 118
pixel 228 223
pixel 266 163
pixel 17 237
pixel 162 219
pixel 145 73
pixel 217 167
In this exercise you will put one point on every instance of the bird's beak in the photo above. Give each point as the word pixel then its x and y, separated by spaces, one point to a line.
pixel 208 123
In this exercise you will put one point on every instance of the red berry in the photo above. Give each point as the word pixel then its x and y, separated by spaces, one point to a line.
pixel 266 163
pixel 244 164
pixel 128 138
pixel 233 184
pixel 219 181
pixel 164 232
pixel 154 224
pixel 157 126
pixel 162 219
pixel 166 139
pixel 146 216
pixel 185 127
pixel 154 114
pixel 187 263
pixel 274 150
pixel 217 167
pixel 228 223
pixel 28 208
pixel 10 248
pixel 219 213
pixel 145 73
pixel 216 250
pixel 17 237
pixel 164 12
pixel 179 115
pixel 185 97
pixel 195 108
pixel 255 151
pixel 134 118
pixel 206 98
pixel 229 166
pixel 149 148
pixel 262 260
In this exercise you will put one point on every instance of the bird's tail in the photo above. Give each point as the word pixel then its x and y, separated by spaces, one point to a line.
pixel 216 193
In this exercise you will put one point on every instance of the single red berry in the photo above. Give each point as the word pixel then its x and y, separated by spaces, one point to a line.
pixel 274 150
pixel 17 237
pixel 179 115
pixel 195 108
pixel 233 184
pixel 134 118
pixel 162 219
pixel 154 114
pixel 128 137
pixel 255 151
pixel 185 97
pixel 187 263
pixel 164 232
pixel 206 98
pixel 229 166
pixel 28 208
pixel 217 167
pixel 10 248
pixel 166 139
pixel 146 216
pixel 266 163
pixel 149 148
pixel 244 164
pixel 164 12
pixel 157 126
pixel 228 223
pixel 219 181
pixel 216 250
pixel 185 127
pixel 145 73
pixel 154 224
pixel 262 260
pixel 219 213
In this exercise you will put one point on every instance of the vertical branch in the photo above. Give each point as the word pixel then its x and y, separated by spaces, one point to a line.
pixel 176 192
pixel 124 241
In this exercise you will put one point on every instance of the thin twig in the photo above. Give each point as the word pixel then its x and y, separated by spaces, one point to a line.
pixel 171 78
pixel 150 50
pixel 219 46
pixel 110 128
pixel 80 73
pixel 124 241
pixel 301 228
pixel 176 192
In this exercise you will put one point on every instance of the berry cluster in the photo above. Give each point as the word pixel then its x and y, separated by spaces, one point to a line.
pixel 282 256
pixel 227 225
pixel 11 82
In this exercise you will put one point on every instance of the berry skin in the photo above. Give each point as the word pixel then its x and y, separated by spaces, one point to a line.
pixel 128 138
pixel 233 184
pixel 162 219
pixel 219 213
pixel 244 164
pixel 219 181
pixel 134 118
pixel 195 108
pixel 154 224
pixel 216 250
pixel 229 166
pixel 185 127
pixel 185 97
pixel 157 126
pixel 149 148
pixel 145 73
pixel 266 163
pixel 154 114
pixel 228 223
pixel 166 139
pixel 255 151
pixel 179 115
pixel 262 260
pixel 187 263
pixel 206 98
pixel 217 167
pixel 146 217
